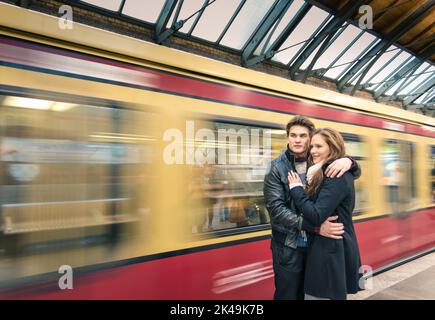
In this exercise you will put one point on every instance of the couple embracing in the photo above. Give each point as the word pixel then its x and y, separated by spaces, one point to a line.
pixel 310 196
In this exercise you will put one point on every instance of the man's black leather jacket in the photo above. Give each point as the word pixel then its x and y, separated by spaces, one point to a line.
pixel 285 220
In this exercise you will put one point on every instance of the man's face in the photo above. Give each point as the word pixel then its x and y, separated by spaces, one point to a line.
pixel 299 140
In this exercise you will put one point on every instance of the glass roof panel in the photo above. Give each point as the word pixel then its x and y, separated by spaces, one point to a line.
pixel 425 97
pixel 267 40
pixel 286 19
pixel 246 22
pixel 385 64
pixel 214 19
pixel 362 44
pixel 414 88
pixel 135 9
pixel 356 76
pixel 392 89
pixel 421 75
pixel 311 57
pixel 286 55
pixel 376 86
pixel 336 47
pixel 189 7
pixel 388 65
pixel 304 31
pixel 430 99
pixel 430 96
pixel 398 85
pixel 106 4
pixel 326 60
pixel 217 15
pixel 171 19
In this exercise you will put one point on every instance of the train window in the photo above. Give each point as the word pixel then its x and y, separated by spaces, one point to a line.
pixel 398 177
pixel 231 187
pixel 432 172
pixel 68 167
pixel 356 148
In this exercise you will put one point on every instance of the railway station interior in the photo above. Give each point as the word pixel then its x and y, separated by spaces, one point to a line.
pixel 136 137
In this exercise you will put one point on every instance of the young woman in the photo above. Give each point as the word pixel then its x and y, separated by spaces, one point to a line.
pixel 333 265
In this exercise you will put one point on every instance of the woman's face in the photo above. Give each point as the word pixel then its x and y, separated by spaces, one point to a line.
pixel 319 148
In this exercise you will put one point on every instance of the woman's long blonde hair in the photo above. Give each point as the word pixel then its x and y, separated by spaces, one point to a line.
pixel 337 150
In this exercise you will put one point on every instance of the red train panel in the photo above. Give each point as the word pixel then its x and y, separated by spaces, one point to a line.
pixel 241 271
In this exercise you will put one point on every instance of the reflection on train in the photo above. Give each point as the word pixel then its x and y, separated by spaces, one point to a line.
pixel 153 190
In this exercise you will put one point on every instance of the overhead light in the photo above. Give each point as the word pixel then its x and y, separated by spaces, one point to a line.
pixel 39 104
pixel 62 106
pixel 113 137
pixel 21 102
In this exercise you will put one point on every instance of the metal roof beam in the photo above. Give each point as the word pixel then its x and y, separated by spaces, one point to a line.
pixel 363 73
pixel 205 4
pixel 426 108
pixel 236 13
pixel 302 12
pixel 121 7
pixel 321 72
pixel 396 95
pixel 382 46
pixel 161 33
pixel 420 90
pixel 403 72
pixel 368 84
pixel 307 41
pixel 394 78
pixel 409 80
pixel 282 37
pixel 325 45
pixel 279 9
pixel 416 106
pixel 327 33
pixel 358 58
pixel 429 96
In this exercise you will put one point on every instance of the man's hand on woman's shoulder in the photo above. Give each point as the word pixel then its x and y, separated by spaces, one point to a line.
pixel 338 167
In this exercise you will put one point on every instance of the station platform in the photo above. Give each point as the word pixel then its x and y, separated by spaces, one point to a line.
pixel 414 280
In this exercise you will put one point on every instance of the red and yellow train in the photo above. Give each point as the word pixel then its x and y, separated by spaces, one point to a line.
pixel 97 136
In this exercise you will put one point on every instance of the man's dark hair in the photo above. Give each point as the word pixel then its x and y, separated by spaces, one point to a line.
pixel 301 121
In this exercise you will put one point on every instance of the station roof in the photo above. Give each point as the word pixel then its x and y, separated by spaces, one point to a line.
pixel 393 58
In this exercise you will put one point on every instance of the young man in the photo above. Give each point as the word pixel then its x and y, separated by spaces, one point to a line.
pixel 289 241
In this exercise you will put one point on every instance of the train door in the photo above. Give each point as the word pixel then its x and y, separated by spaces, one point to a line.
pixel 398 181
pixel 432 174
pixel 422 221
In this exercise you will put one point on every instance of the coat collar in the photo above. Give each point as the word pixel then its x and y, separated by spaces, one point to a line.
pixel 289 155
pixel 289 158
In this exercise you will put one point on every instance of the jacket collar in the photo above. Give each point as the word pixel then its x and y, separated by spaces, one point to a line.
pixel 289 157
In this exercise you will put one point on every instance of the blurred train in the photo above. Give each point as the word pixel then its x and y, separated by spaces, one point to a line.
pixel 112 164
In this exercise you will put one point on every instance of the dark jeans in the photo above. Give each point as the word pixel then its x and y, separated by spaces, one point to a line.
pixel 289 269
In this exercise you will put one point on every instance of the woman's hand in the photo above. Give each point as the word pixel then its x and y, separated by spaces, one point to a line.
pixel 293 178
